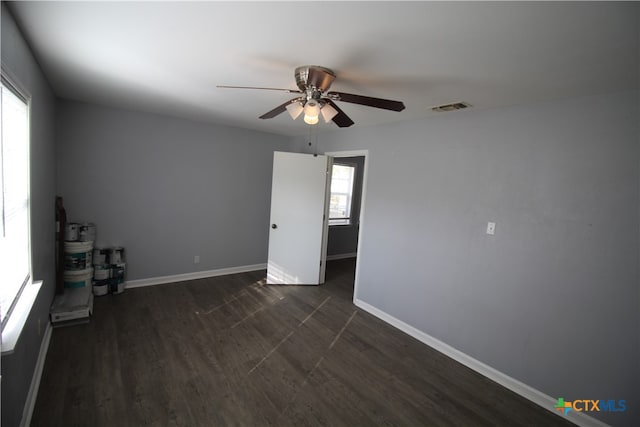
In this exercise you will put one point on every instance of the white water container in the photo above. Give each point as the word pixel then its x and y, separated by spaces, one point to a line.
pixel 78 278
pixel 117 277
pixel 87 232
pixel 100 256
pixel 71 231
pixel 78 255
pixel 100 287
pixel 116 255
pixel 101 272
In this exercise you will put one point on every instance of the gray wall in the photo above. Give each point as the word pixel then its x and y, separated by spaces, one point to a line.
pixel 343 239
pixel 17 369
pixel 166 189
pixel 553 298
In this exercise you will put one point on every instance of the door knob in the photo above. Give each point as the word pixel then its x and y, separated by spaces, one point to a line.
pixel 274 226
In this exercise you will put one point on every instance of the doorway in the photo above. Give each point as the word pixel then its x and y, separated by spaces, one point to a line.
pixel 345 218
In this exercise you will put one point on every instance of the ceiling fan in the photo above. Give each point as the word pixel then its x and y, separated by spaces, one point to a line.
pixel 313 82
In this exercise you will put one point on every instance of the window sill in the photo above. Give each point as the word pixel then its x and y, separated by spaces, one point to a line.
pixel 340 223
pixel 15 325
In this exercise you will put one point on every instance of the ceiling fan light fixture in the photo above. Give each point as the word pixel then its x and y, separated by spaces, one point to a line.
pixel 328 113
pixel 311 112
pixel 294 109
pixel 310 120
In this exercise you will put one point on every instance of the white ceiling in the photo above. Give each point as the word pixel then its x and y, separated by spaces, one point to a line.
pixel 168 57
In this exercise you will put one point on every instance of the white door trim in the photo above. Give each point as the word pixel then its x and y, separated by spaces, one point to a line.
pixel 365 154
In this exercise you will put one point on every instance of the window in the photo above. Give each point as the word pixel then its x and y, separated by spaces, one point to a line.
pixel 15 252
pixel 341 202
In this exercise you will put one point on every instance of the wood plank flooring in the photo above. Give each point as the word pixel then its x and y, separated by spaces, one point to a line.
pixel 232 351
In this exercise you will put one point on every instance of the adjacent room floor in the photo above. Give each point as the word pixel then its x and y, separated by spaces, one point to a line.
pixel 233 351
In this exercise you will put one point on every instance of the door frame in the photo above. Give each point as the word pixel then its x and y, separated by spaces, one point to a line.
pixel 365 154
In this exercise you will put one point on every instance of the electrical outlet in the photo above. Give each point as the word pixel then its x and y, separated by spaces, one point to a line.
pixel 196 259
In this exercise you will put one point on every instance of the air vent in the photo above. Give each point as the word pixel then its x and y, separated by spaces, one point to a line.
pixel 452 107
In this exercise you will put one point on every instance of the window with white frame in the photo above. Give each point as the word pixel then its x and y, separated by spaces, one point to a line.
pixel 15 254
pixel 341 201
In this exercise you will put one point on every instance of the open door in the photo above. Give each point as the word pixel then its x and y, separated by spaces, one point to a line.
pixel 299 212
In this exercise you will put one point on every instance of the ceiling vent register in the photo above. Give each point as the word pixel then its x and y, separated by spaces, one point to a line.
pixel 451 107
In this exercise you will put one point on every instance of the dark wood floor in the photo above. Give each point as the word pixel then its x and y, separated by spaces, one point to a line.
pixel 233 351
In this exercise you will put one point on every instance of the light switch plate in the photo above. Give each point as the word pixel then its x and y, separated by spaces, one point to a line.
pixel 491 228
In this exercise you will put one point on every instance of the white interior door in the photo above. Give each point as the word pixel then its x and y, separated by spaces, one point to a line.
pixel 299 210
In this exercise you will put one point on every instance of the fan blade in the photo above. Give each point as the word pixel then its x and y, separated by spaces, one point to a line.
pixel 259 88
pixel 385 104
pixel 279 109
pixel 341 119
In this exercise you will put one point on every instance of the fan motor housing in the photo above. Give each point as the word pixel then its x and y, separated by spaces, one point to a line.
pixel 314 77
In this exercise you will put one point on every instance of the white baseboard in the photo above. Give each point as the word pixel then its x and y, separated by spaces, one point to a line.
pixel 32 395
pixel 341 256
pixel 530 393
pixel 192 276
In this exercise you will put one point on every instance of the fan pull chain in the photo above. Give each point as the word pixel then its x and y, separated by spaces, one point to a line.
pixel 315 150
pixel 315 131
